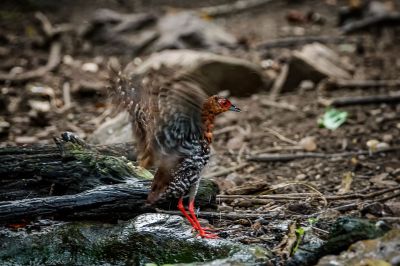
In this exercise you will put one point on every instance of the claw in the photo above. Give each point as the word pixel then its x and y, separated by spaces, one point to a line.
pixel 208 235
pixel 203 232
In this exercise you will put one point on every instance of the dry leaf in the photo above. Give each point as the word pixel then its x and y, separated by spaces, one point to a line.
pixel 345 186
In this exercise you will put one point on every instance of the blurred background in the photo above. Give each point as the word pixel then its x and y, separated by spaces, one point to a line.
pixel 310 76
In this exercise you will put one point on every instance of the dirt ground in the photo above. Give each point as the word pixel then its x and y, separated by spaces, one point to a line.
pixel 257 129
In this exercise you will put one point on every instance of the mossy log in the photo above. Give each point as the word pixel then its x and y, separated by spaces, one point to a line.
pixel 65 168
pixel 106 203
pixel 74 180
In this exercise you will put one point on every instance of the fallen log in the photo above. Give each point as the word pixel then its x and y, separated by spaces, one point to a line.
pixel 74 180
pixel 106 203
pixel 64 168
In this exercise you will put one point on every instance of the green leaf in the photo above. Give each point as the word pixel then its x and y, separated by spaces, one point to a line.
pixel 300 233
pixel 312 221
pixel 332 119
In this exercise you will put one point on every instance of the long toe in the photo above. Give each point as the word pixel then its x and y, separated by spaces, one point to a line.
pixel 207 235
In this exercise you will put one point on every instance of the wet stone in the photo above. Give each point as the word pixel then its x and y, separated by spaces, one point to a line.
pixel 149 238
pixel 381 251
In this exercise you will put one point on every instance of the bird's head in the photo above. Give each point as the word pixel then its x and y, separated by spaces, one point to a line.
pixel 218 104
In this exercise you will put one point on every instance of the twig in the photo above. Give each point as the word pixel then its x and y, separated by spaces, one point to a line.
pixel 280 136
pixel 98 119
pixel 279 82
pixel 351 84
pixel 236 7
pixel 285 247
pixel 373 99
pixel 224 215
pixel 390 219
pixel 48 29
pixel 302 184
pixel 365 196
pixel 278 148
pixel 305 195
pixel 386 198
pixel 355 205
pixel 226 170
pixel 298 41
pixel 52 63
pixel 281 105
pixel 273 157
pixel 382 20
pixel 66 89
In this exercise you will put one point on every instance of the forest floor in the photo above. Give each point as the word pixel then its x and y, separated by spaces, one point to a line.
pixel 260 128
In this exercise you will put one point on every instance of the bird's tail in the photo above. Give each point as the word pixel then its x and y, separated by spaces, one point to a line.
pixel 121 89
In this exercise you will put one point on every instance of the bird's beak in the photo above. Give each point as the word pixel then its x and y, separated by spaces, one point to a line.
pixel 234 108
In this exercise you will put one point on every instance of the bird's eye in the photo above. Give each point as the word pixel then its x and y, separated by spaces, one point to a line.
pixel 224 102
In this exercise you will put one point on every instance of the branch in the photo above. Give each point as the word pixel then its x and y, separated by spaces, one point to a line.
pixel 290 42
pixel 273 157
pixel 53 61
pixel 236 7
pixel 361 100
pixel 378 21
pixel 352 84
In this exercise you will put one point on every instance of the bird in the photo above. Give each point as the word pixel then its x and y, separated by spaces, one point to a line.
pixel 172 120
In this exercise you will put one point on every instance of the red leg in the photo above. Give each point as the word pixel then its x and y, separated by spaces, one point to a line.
pixel 183 211
pixel 202 232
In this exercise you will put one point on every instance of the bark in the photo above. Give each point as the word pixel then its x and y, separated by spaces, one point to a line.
pixel 106 203
pixel 73 180
pixel 65 168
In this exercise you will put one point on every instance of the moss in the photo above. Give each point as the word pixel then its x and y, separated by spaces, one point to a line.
pixel 122 244
pixel 105 165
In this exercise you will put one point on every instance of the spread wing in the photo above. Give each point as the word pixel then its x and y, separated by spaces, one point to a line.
pixel 167 119
pixel 166 108
pixel 169 110
pixel 175 125
pixel 180 119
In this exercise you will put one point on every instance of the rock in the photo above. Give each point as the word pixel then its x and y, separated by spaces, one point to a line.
pixel 376 209
pixel 344 232
pixel 39 106
pixel 387 138
pixel 40 91
pixel 314 62
pixel 238 76
pixel 381 251
pixel 308 143
pixel 114 130
pixel 306 85
pixel 301 177
pixel 375 145
pixel 90 67
pixel 185 30
pixel 149 238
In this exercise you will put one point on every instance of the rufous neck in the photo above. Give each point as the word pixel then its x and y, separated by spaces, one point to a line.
pixel 208 122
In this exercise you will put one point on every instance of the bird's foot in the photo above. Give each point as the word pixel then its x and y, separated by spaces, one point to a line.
pixel 195 227
pixel 203 232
